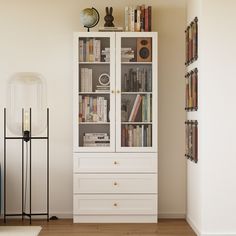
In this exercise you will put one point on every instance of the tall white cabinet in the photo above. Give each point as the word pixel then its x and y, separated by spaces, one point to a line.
pixel 115 127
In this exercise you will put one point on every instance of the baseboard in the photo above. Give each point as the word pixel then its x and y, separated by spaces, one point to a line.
pixel 171 215
pixel 193 226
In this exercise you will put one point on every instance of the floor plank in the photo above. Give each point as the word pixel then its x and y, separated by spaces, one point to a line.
pixel 67 228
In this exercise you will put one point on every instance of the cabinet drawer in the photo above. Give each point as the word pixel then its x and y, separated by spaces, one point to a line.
pixel 115 183
pixel 115 163
pixel 115 204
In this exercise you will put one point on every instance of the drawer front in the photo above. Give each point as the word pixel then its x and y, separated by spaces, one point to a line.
pixel 115 204
pixel 115 183
pixel 115 164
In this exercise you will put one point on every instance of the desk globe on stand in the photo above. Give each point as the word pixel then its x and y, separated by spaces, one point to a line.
pixel 89 17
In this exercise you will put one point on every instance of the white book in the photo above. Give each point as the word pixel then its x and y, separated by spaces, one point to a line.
pixel 132 20
pixel 130 136
pixel 90 80
pixel 134 137
pixel 142 133
pixel 138 20
pixel 102 109
pixel 82 89
pixel 97 50
pixel 126 18
pixel 81 50
pixel 148 108
pixel 105 111
pixel 99 108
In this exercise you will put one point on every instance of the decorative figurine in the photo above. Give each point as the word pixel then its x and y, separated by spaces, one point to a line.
pixel 109 18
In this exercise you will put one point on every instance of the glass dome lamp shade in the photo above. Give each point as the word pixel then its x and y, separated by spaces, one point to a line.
pixel 25 91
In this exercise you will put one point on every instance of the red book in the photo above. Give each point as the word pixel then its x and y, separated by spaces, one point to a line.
pixel 146 20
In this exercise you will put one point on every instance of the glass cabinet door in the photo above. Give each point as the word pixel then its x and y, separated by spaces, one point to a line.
pixel 136 92
pixel 95 90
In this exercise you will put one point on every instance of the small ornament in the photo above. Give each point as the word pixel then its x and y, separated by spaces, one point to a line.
pixel 109 18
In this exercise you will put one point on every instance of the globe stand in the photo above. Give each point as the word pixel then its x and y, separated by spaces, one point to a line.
pixel 26 138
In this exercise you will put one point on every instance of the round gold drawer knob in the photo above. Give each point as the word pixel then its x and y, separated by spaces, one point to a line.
pixel 115 204
pixel 112 91
pixel 115 163
pixel 115 183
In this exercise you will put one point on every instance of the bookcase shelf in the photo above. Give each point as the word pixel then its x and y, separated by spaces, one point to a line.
pixel 115 127
pixel 85 93
pixel 94 63
pixel 94 123
pixel 135 93
pixel 136 63
pixel 136 123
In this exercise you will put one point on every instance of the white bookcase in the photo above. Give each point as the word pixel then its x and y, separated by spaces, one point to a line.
pixel 115 127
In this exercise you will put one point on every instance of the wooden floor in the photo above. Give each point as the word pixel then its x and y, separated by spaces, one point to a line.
pixel 67 228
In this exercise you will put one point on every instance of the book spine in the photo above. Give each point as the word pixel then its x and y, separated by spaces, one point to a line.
pixel 130 136
pixel 136 108
pixel 148 108
pixel 132 20
pixel 134 143
pixel 138 19
pixel 149 18
pixel 81 50
pixel 82 80
pixel 142 18
pixel 133 109
pixel 105 110
pixel 80 108
pixel 126 18
pixel 87 50
pixel 146 20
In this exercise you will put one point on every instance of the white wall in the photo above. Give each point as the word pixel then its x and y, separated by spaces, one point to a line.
pixel 194 198
pixel 218 68
pixel 37 36
pixel 213 179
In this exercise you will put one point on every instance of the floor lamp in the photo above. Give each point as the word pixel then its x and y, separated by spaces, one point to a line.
pixel 26 116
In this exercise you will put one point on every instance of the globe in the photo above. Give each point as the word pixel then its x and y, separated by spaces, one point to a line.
pixel 89 17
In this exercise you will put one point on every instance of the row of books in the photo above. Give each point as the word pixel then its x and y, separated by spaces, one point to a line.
pixel 139 80
pixel 127 54
pixel 92 109
pixel 96 140
pixel 138 18
pixel 146 108
pixel 90 50
pixel 86 80
pixel 136 136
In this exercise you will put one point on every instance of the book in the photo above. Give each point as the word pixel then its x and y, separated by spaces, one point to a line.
pixel 135 108
pixel 111 29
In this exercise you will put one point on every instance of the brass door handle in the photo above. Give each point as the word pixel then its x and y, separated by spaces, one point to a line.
pixel 118 91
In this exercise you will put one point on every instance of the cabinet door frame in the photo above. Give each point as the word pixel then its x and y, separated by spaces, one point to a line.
pixel 154 37
pixel 76 64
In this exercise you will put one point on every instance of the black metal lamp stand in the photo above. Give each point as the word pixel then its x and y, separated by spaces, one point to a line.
pixel 25 138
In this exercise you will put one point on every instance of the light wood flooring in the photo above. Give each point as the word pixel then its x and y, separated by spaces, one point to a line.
pixel 67 228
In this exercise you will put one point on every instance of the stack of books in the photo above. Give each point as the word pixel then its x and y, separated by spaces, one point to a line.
pixel 96 140
pixel 139 80
pixel 106 54
pixel 86 80
pixel 138 18
pixel 111 29
pixel 90 50
pixel 102 88
pixel 136 136
pixel 127 54
pixel 92 109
